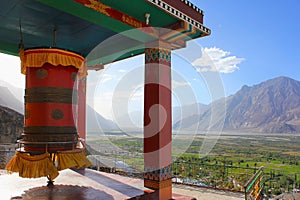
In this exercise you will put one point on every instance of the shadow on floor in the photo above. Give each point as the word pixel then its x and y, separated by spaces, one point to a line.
pixel 116 185
pixel 64 192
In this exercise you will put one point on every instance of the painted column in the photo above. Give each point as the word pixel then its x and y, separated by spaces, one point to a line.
pixel 81 122
pixel 158 119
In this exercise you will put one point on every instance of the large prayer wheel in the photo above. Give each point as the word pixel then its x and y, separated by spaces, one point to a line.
pixel 50 132
pixel 50 100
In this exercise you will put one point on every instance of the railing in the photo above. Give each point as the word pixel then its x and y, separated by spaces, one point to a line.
pixel 218 175
pixel 196 172
pixel 6 153
pixel 255 186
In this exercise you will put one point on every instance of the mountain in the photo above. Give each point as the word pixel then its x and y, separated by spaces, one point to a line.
pixel 96 123
pixel 133 122
pixel 11 125
pixel 184 111
pixel 7 99
pixel 269 107
pixel 12 122
pixel 13 98
pixel 16 91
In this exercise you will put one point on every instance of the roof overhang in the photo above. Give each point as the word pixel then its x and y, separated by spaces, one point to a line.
pixel 80 25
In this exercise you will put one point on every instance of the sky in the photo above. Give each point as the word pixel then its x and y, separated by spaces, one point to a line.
pixel 264 33
pixel 250 42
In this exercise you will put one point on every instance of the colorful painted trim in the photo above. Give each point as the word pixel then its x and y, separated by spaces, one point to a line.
pixel 175 12
pixel 254 187
pixel 157 184
pixel 184 31
pixel 158 174
pixel 193 6
pixel 157 54
pixel 118 15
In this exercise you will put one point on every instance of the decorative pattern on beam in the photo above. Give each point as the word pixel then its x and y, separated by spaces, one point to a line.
pixel 175 12
pixel 193 6
pixel 184 30
pixel 115 14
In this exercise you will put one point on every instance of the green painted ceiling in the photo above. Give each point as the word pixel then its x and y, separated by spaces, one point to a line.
pixel 78 28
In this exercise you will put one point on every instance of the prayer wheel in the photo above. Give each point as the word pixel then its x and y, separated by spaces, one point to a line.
pixel 50 102
pixel 49 141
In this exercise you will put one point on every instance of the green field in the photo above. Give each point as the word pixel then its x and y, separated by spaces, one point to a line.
pixel 272 151
pixel 227 156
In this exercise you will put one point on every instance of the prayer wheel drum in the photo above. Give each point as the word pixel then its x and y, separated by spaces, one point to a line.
pixel 50 106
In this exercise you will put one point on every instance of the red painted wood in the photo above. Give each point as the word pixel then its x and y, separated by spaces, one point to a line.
pixel 50 107
pixel 157 94
pixel 158 122
pixel 40 114
pixel 58 76
pixel 186 9
pixel 118 15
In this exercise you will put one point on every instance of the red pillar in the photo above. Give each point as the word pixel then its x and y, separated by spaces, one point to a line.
pixel 81 121
pixel 158 120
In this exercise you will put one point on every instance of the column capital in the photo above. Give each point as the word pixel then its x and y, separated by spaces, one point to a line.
pixel 159 44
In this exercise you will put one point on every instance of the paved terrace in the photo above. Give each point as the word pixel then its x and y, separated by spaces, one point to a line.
pixel 91 185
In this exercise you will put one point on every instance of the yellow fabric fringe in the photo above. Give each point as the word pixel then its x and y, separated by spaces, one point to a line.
pixel 72 159
pixel 32 166
pixel 35 166
pixel 38 57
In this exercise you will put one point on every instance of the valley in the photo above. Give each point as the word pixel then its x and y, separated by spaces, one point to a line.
pixel 236 155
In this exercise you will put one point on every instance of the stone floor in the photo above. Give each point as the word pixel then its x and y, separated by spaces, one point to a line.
pixel 201 193
pixel 74 185
pixel 92 185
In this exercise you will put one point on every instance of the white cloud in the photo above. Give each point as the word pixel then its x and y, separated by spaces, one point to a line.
pixel 105 77
pixel 176 84
pixel 216 60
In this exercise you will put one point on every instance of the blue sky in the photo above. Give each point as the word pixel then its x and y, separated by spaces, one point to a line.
pixel 260 39
pixel 251 41
pixel 264 33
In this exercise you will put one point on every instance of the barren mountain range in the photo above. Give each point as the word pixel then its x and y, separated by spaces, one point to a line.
pixel 272 106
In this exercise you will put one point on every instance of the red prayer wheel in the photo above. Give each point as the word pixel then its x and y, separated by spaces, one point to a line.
pixel 50 101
